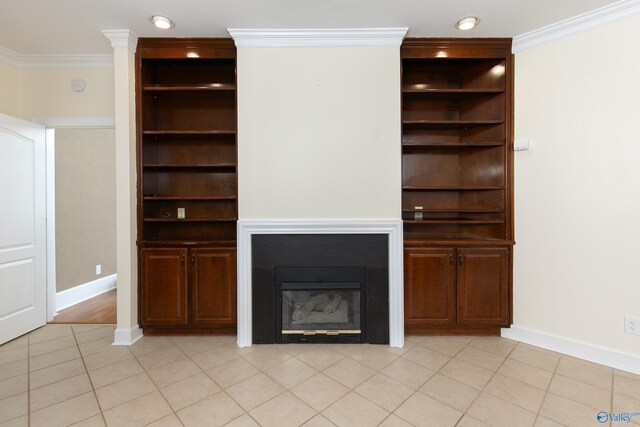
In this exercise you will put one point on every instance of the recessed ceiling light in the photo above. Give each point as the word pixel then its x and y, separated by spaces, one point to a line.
pixel 467 23
pixel 162 22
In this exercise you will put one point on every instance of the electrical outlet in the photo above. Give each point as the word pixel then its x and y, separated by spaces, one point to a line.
pixel 98 270
pixel 631 325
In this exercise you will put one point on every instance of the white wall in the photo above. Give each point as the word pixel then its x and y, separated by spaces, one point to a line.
pixel 577 190
pixel 319 133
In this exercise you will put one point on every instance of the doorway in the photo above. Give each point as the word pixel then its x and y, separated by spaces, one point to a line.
pixel 83 225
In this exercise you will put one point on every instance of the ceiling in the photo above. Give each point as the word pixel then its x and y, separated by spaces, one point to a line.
pixel 72 27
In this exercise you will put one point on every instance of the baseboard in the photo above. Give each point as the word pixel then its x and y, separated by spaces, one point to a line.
pixel 127 336
pixel 582 350
pixel 69 297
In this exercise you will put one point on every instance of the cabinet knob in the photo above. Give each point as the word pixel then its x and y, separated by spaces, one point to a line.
pixel 460 259
pixel 451 260
pixel 193 259
pixel 182 259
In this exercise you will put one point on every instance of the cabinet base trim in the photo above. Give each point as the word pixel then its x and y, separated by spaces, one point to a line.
pixel 582 350
pixel 231 330
pixel 127 336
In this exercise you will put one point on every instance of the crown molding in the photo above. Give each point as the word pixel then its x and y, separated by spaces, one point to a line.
pixel 121 39
pixel 76 122
pixel 329 37
pixel 576 24
pixel 55 61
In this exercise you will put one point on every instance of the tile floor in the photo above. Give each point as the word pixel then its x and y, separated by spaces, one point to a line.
pixel 63 375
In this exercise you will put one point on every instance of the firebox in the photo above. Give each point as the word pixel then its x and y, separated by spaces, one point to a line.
pixel 321 305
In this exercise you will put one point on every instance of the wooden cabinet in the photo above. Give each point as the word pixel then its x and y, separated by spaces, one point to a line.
pixel 457 183
pixel 187 184
pixel 456 289
pixel 483 286
pixel 163 287
pixel 213 280
pixel 430 286
pixel 172 280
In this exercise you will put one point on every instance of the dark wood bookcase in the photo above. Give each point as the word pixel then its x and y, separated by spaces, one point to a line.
pixel 457 184
pixel 187 184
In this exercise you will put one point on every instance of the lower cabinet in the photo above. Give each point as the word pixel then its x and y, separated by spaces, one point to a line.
pixel 456 288
pixel 188 289
pixel 213 287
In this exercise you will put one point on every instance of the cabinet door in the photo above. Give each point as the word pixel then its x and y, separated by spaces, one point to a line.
pixel 214 286
pixel 429 294
pixel 163 287
pixel 483 286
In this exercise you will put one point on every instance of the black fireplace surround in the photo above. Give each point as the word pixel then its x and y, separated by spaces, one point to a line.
pixel 333 263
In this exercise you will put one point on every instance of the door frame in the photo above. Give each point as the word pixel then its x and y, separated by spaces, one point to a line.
pixel 51 124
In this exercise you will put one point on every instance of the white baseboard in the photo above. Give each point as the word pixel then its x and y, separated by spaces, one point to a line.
pixel 127 336
pixel 593 353
pixel 83 292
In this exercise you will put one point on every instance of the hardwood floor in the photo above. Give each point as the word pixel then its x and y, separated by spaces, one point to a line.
pixel 101 309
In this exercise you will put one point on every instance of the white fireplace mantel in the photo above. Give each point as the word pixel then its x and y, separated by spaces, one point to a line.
pixel 393 228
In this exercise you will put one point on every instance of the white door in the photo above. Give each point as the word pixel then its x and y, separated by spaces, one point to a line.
pixel 23 286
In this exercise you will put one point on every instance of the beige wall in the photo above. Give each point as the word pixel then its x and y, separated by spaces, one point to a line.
pixel 48 93
pixel 577 190
pixel 10 83
pixel 85 205
pixel 319 133
pixel 42 93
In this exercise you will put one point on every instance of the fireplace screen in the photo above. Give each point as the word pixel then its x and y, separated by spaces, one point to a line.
pixel 320 311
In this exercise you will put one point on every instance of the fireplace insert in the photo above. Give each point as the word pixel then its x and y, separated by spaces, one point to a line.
pixel 320 305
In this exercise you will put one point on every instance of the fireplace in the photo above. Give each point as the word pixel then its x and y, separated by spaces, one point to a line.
pixel 327 288
pixel 273 247
pixel 326 305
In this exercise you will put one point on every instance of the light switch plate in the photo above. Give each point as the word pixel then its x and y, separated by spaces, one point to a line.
pixel 521 145
pixel 180 213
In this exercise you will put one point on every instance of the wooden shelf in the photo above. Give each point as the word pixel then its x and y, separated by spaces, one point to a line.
pixel 194 87
pixel 455 210
pixel 454 221
pixel 419 240
pixel 453 188
pixel 415 89
pixel 190 219
pixel 190 198
pixel 186 242
pixel 451 123
pixel 189 166
pixel 189 132
pixel 453 145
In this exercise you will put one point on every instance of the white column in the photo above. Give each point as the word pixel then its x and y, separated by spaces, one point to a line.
pixel 124 44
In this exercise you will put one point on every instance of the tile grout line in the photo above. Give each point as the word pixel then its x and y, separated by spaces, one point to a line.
pixel 261 371
pixel 158 389
pixel 487 383
pixel 86 371
pixel 613 383
pixel 573 379
pixel 451 357
pixel 546 391
pixel 175 344
pixel 62 401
